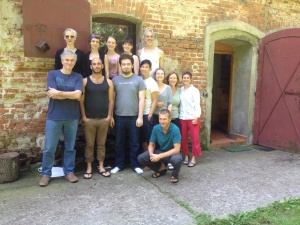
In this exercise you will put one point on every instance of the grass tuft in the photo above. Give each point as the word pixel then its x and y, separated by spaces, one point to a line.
pixel 278 213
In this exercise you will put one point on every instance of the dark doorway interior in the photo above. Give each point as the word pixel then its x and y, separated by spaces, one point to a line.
pixel 221 134
pixel 220 124
pixel 221 92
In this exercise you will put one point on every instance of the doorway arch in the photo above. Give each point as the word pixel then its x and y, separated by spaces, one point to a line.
pixel 135 25
pixel 244 40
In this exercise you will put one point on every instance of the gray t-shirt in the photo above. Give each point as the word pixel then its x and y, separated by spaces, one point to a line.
pixel 127 94
pixel 166 97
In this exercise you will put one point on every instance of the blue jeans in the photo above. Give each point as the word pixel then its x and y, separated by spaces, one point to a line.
pixel 126 125
pixel 52 132
pixel 146 129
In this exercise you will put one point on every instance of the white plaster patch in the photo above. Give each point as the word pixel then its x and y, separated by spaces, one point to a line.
pixel 171 65
pixel 24 142
pixel 40 141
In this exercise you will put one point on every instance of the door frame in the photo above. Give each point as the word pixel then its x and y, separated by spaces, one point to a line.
pixel 229 30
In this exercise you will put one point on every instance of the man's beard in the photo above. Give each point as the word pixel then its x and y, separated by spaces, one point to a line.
pixel 97 72
pixel 127 72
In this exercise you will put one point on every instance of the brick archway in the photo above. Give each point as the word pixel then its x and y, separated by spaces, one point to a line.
pixel 134 13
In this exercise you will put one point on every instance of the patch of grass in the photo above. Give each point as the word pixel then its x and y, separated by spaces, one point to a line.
pixel 200 218
pixel 278 213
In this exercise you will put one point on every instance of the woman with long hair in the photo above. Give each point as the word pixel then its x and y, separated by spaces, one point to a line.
pixel 164 100
pixel 172 80
pixel 111 59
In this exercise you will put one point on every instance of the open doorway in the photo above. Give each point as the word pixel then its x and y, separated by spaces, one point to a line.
pixel 222 96
pixel 241 39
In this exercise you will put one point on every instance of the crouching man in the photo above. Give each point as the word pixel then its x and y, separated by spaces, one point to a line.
pixel 167 137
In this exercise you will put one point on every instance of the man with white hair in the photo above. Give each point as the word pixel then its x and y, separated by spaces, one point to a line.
pixel 64 88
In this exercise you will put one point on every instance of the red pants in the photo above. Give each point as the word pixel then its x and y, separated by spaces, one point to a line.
pixel 194 129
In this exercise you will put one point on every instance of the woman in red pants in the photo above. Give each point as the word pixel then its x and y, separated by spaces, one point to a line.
pixel 190 112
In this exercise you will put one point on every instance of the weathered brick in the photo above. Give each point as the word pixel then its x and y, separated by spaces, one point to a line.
pixel 178 24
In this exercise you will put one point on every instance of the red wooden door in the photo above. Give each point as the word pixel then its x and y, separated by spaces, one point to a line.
pixel 277 105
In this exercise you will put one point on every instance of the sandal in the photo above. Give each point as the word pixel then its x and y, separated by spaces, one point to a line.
pixel 185 162
pixel 87 176
pixel 159 173
pixel 191 164
pixel 174 180
pixel 104 172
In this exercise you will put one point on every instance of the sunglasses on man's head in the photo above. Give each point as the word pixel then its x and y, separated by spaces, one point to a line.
pixel 69 36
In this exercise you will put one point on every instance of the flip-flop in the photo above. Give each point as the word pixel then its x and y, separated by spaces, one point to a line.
pixel 185 162
pixel 191 164
pixel 87 176
pixel 159 173
pixel 174 180
pixel 103 172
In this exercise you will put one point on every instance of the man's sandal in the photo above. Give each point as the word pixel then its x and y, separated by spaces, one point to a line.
pixel 174 180
pixel 159 173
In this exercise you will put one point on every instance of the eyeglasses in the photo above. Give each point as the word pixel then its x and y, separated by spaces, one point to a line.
pixel 69 36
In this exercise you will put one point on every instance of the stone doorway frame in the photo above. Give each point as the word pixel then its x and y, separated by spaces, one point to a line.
pixel 245 39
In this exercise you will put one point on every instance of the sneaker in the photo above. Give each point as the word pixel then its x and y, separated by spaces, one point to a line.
pixel 71 178
pixel 139 170
pixel 44 181
pixel 170 166
pixel 115 170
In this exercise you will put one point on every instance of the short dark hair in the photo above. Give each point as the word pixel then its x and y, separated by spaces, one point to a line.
pixel 165 111
pixel 187 73
pixel 96 36
pixel 146 61
pixel 125 56
pixel 128 40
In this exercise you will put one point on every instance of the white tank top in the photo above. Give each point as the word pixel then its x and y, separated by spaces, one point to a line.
pixel 153 57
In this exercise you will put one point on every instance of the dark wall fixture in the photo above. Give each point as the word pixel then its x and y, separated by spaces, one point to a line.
pixel 42 45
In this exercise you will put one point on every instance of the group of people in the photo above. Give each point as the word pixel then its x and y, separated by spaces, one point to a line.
pixel 129 93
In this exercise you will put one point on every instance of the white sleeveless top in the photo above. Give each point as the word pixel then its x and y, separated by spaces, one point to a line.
pixel 153 57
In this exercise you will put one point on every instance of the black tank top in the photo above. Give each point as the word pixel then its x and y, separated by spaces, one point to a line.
pixel 96 99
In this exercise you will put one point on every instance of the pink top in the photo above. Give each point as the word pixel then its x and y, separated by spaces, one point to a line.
pixel 113 61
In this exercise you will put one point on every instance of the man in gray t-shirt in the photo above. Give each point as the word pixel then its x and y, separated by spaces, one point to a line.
pixel 128 114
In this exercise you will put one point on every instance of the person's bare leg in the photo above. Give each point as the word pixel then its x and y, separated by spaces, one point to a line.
pixel 88 173
pixel 102 170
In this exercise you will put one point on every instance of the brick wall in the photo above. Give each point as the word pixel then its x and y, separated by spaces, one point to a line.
pixel 23 103
pixel 180 27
